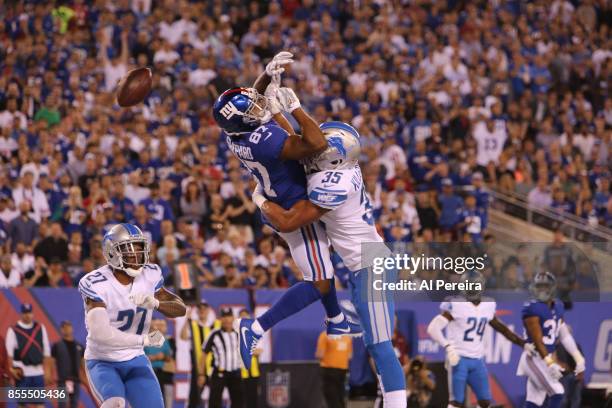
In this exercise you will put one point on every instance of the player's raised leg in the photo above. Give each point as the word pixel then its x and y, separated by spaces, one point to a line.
pixel 309 248
pixel 376 311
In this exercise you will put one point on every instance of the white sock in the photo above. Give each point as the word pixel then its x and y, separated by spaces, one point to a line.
pixel 336 319
pixel 256 327
pixel 395 399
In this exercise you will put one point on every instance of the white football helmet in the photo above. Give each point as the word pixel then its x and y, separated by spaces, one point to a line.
pixel 125 247
pixel 343 148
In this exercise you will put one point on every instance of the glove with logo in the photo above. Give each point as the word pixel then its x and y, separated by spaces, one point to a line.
pixel 144 300
pixel 287 99
pixel 153 339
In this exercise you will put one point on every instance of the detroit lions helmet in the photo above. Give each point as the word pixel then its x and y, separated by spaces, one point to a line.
pixel 543 286
pixel 126 248
pixel 343 148
pixel 241 110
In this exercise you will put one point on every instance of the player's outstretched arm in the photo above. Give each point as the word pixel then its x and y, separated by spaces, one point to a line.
pixel 499 326
pixel 301 214
pixel 312 141
pixel 170 305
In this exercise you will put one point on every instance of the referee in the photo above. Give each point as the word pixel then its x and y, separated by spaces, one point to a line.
pixel 223 344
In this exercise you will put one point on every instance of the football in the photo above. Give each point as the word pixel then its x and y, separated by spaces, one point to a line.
pixel 134 87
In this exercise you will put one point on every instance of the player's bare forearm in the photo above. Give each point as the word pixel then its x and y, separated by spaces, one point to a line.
pixel 262 82
pixel 301 214
pixel 170 305
pixel 506 332
pixel 284 123
pixel 311 134
pixel 532 326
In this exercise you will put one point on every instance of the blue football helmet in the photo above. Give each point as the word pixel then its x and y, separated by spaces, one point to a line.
pixel 543 286
pixel 241 110
pixel 343 148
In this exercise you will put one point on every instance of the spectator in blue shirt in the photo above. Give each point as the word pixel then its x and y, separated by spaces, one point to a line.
pixel 450 206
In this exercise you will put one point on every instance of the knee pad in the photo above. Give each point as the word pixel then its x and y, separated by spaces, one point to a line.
pixel 113 402
pixel 388 366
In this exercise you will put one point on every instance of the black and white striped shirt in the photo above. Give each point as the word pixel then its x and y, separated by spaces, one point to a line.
pixel 225 349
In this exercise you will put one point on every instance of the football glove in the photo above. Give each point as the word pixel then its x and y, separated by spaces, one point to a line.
pixel 276 67
pixel 554 369
pixel 288 99
pixel 273 104
pixel 153 339
pixel 144 300
pixel 451 355
pixel 529 349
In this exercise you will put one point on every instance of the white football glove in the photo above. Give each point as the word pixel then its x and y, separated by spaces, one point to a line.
pixel 144 300
pixel 288 99
pixel 153 339
pixel 273 104
pixel 276 67
pixel 554 369
pixel 529 349
pixel 451 355
pixel 580 364
pixel 258 196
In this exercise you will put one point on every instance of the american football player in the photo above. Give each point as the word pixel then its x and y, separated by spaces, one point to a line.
pixel 258 134
pixel 120 298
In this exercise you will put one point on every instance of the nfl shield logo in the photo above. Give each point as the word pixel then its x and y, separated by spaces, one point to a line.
pixel 278 389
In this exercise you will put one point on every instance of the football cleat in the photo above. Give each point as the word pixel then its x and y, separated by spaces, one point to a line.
pixel 248 340
pixel 344 328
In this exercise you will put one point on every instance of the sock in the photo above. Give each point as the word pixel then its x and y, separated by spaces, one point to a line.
pixel 330 303
pixel 395 399
pixel 555 401
pixel 296 298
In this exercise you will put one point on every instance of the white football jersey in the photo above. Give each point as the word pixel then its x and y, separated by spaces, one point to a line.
pixel 468 326
pixel 350 221
pixel 102 286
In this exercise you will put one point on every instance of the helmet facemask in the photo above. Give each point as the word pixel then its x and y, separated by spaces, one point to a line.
pixel 543 291
pixel 130 256
pixel 258 111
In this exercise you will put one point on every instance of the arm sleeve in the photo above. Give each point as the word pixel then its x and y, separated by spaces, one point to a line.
pixel 569 343
pixel 435 328
pixel 101 331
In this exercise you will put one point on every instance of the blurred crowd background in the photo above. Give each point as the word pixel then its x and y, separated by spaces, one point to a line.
pixel 452 99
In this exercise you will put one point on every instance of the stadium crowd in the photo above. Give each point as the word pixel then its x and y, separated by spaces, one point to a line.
pixel 450 98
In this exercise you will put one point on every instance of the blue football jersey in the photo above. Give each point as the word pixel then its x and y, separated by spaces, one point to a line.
pixel 551 319
pixel 283 181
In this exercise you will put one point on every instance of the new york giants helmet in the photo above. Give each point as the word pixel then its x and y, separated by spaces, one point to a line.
pixel 241 110
pixel 543 286
pixel 126 248
pixel 343 148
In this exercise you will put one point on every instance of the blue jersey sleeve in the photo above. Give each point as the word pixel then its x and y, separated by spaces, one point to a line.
pixel 267 142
